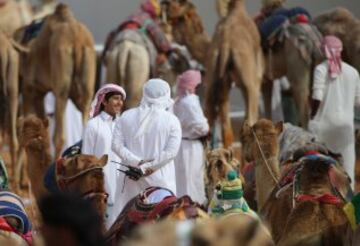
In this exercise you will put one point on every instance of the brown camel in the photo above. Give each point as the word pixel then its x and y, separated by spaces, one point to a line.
pixel 81 173
pixel 294 57
pixel 187 28
pixel 218 163
pixel 338 22
pixel 62 59
pixel 277 207
pixel 9 84
pixel 234 59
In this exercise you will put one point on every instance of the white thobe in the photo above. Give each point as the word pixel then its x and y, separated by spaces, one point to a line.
pixel 73 125
pixel 160 142
pixel 97 141
pixel 334 122
pixel 189 162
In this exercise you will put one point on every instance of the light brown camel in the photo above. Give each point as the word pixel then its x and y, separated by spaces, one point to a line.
pixel 81 173
pixel 14 14
pixel 237 229
pixel 267 171
pixel 218 163
pixel 286 220
pixel 233 59
pixel 62 59
pixel 9 84
pixel 338 22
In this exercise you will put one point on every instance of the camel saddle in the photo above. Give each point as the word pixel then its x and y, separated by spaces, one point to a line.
pixel 138 211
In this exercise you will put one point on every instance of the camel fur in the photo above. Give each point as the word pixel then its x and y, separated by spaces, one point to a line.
pixel 62 59
pixel 9 90
pixel 34 137
pixel 13 15
pixel 234 59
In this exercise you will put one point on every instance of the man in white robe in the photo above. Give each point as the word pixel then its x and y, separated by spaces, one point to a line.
pixel 336 90
pixel 190 163
pixel 97 140
pixel 149 134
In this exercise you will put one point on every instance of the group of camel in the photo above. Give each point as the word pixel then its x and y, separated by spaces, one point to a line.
pixel 291 218
pixel 305 208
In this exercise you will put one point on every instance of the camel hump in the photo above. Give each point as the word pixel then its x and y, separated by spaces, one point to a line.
pixel 63 12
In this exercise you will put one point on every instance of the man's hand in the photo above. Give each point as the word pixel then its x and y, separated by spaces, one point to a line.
pixel 142 162
pixel 148 172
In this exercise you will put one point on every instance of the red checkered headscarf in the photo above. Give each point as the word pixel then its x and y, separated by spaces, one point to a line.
pixel 187 82
pixel 100 97
pixel 332 48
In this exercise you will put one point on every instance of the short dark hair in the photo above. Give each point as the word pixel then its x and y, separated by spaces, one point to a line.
pixel 108 96
pixel 66 210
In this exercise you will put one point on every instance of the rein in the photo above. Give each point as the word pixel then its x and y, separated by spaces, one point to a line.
pixel 264 158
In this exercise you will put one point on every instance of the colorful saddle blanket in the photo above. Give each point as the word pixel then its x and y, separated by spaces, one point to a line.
pixel 12 206
pixel 139 211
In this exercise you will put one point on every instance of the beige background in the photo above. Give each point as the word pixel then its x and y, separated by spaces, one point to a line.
pixel 103 15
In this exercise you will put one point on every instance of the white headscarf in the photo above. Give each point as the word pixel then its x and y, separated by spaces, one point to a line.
pixel 156 97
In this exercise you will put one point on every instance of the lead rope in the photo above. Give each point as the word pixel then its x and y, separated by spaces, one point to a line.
pixel 264 159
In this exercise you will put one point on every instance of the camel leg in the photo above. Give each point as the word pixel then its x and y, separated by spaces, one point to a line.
pixel 227 132
pixel 299 77
pixel 137 69
pixel 13 91
pixel 62 69
pixel 267 88
pixel 245 72
pixel 111 66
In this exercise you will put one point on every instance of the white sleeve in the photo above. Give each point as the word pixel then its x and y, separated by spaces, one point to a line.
pixel 357 95
pixel 320 76
pixel 195 123
pixel 118 146
pixel 88 142
pixel 172 146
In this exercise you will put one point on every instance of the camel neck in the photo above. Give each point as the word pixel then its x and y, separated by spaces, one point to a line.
pixel 264 179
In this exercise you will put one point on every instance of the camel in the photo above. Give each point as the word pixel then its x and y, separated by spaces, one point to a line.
pixel 13 15
pixel 233 59
pixel 187 28
pixel 9 69
pixel 294 57
pixel 239 229
pixel 277 206
pixel 80 173
pixel 218 163
pixel 337 22
pixel 62 59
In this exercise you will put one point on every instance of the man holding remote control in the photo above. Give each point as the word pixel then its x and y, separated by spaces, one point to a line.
pixel 147 139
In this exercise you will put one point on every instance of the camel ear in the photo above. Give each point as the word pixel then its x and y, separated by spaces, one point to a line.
pixel 279 127
pixel 103 160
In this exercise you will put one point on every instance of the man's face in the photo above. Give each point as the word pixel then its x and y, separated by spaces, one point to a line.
pixel 113 105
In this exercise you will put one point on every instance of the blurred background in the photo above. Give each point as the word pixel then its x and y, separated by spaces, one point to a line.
pixel 101 16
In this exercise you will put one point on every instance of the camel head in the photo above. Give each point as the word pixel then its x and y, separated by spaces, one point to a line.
pixel 266 133
pixel 183 11
pixel 272 4
pixel 219 163
pixel 84 174
pixel 33 133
